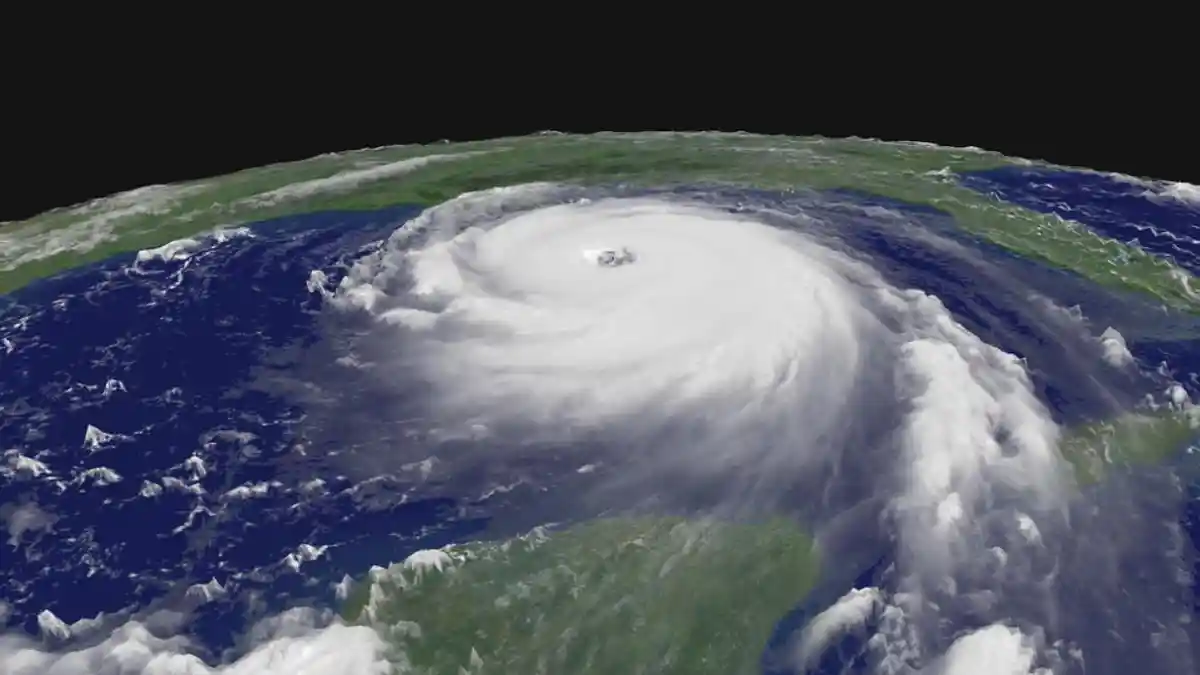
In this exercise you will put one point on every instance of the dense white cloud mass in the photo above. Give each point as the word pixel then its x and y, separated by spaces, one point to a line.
pixel 298 642
pixel 522 324
pixel 850 612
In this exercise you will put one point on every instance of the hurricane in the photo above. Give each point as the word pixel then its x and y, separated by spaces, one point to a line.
pixel 619 425
pixel 737 343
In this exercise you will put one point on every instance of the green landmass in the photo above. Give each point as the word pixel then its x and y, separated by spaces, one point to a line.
pixel 620 596
pixel 643 595
pixel 1134 438
pixel 657 595
pixel 370 179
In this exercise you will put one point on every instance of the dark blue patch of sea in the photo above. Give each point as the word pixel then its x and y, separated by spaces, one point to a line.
pixel 1122 210
pixel 162 354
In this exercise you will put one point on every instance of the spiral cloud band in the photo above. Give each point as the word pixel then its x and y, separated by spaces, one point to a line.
pixel 536 314
pixel 527 321
pixel 690 340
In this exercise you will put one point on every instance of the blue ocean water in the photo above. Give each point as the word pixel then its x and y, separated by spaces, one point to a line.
pixel 183 339
pixel 186 339
pixel 1118 209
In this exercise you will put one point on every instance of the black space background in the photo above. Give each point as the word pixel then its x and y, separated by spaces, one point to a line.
pixel 82 136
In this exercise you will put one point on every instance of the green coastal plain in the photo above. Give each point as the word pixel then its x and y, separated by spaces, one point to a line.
pixel 430 174
pixel 623 595
pixel 617 595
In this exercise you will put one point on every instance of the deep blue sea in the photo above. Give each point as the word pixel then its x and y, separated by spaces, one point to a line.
pixel 177 344
pixel 166 356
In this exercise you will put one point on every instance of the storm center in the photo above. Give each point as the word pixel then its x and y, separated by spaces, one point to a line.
pixel 610 257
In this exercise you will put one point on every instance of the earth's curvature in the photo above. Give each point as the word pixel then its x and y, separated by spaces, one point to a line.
pixel 622 403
